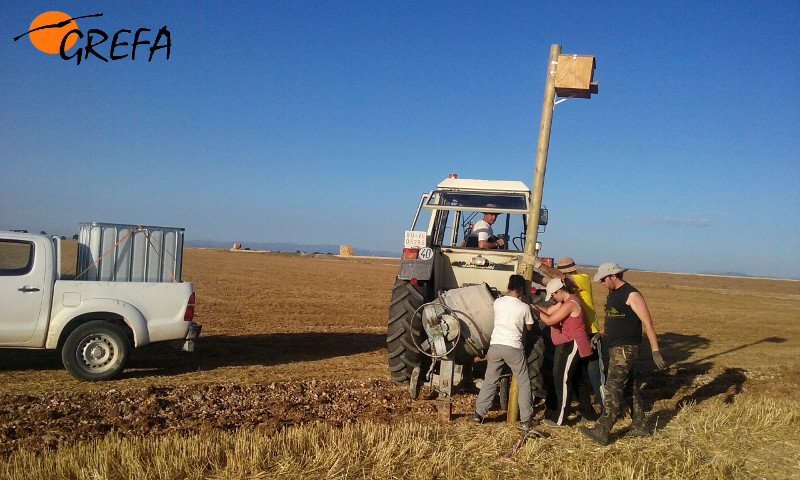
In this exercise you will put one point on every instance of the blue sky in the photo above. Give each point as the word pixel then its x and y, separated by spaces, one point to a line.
pixel 323 122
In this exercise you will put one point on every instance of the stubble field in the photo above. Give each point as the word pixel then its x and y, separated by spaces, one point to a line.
pixel 293 342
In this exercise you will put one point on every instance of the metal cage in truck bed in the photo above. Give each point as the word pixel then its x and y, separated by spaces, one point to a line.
pixel 129 253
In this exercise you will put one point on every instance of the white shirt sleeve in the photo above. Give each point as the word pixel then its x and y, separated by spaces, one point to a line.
pixel 483 230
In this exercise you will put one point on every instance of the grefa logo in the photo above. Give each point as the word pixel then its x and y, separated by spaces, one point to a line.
pixel 56 32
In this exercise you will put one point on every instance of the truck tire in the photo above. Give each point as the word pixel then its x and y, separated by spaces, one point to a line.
pixel 402 333
pixel 96 351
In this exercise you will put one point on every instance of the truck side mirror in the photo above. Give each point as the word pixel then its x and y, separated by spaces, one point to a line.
pixel 543 216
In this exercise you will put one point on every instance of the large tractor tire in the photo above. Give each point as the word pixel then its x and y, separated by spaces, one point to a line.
pixel 403 334
pixel 536 368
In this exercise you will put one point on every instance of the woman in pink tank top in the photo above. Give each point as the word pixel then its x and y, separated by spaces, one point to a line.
pixel 568 334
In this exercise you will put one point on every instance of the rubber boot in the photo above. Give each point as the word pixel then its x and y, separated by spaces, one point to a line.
pixel 596 433
pixel 638 424
pixel 600 431
pixel 639 430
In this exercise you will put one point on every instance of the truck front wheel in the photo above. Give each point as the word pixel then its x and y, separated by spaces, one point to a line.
pixel 96 351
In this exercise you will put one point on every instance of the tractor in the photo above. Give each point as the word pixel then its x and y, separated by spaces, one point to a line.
pixel 441 311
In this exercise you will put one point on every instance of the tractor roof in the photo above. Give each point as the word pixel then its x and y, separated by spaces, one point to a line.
pixel 483 185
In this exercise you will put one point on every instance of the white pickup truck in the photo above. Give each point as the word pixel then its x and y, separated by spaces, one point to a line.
pixel 94 321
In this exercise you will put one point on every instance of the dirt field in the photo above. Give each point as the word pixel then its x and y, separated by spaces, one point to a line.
pixel 290 339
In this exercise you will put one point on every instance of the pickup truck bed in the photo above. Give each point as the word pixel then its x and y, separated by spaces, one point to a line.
pixel 94 323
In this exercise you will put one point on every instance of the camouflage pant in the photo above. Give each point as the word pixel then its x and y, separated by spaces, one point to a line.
pixel 622 386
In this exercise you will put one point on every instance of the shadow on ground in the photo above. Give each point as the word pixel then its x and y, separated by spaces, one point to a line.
pixel 217 351
pixel 690 382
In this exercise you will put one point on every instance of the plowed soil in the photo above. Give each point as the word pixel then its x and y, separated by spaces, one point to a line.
pixel 291 339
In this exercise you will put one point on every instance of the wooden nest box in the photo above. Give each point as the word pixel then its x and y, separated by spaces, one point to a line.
pixel 574 76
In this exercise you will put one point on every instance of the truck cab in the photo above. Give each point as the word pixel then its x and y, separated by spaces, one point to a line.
pixel 27 276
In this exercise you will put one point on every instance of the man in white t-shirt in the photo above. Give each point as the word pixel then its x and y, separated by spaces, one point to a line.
pixel 511 318
pixel 483 229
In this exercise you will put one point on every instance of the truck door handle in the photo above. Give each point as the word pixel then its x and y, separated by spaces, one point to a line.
pixel 28 289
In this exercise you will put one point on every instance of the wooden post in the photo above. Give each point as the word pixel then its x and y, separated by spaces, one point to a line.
pixel 513 404
pixel 537 188
pixel 536 192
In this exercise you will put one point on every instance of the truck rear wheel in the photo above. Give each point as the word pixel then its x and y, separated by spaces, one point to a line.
pixel 403 333
pixel 96 351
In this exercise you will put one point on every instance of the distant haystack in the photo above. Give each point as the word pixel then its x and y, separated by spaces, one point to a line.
pixel 345 251
pixel 237 246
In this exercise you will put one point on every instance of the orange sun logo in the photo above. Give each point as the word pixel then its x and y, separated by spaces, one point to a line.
pixel 48 30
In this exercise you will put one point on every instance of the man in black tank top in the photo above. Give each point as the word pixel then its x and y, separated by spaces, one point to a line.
pixel 626 314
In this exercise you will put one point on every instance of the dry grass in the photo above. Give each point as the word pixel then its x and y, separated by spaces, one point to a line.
pixel 727 407
pixel 755 437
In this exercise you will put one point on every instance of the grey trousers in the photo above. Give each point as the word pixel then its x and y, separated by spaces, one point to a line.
pixel 515 359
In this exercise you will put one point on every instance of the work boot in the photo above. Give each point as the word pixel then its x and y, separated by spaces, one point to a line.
pixel 475 418
pixel 638 431
pixel 527 424
pixel 549 423
pixel 595 433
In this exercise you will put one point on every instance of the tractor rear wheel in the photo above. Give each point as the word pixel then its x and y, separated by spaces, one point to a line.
pixel 535 360
pixel 403 334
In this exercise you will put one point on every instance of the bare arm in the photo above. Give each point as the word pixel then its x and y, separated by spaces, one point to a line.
pixel 639 306
pixel 491 244
pixel 548 310
pixel 551 272
pixel 562 311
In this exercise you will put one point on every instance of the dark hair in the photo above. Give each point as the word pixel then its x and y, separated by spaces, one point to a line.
pixel 619 275
pixel 516 283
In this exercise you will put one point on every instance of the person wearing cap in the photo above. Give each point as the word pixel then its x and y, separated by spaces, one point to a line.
pixel 626 314
pixel 483 229
pixel 511 318
pixel 590 368
pixel 568 333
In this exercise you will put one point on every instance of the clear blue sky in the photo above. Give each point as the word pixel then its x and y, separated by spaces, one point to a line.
pixel 323 122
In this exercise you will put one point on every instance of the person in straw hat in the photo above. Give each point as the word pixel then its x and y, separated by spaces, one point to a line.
pixel 591 371
pixel 568 334
pixel 590 368
pixel 626 313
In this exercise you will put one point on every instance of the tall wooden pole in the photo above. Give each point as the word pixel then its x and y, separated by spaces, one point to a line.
pixel 541 163
pixel 531 234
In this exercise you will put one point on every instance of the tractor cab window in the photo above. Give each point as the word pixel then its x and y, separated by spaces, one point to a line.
pixel 456 213
pixel 496 202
